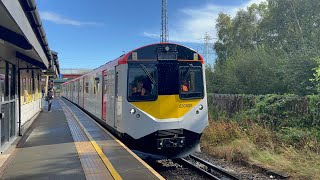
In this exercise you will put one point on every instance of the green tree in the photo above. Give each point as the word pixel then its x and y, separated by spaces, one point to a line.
pixel 257 71
pixel 287 29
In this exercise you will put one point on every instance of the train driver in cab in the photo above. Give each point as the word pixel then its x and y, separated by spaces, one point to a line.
pixel 138 90
pixel 184 86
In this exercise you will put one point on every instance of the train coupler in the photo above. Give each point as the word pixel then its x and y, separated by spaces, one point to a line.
pixel 170 142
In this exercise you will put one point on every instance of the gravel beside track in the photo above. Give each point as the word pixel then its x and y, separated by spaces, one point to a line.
pixel 243 172
pixel 173 170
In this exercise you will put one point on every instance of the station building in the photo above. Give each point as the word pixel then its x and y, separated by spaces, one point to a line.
pixel 25 58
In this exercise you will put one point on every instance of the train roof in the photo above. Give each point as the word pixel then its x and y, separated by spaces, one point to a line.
pixel 123 59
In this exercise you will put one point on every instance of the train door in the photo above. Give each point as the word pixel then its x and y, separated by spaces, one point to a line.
pixel 76 92
pixel 110 96
pixel 82 89
pixel 79 90
pixel 68 87
pixel 104 94
pixel 118 99
pixel 86 92
pixel 71 91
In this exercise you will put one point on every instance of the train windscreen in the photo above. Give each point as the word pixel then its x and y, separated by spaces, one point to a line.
pixel 191 82
pixel 142 82
pixel 164 69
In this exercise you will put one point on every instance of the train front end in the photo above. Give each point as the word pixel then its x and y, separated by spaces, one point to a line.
pixel 165 110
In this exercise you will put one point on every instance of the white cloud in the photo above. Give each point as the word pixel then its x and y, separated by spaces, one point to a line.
pixel 58 19
pixel 152 35
pixel 193 23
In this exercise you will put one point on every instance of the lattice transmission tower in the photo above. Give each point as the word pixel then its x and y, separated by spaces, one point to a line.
pixel 164 36
pixel 207 50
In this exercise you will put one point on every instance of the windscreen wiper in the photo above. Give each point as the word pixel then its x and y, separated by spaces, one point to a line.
pixel 188 71
pixel 147 73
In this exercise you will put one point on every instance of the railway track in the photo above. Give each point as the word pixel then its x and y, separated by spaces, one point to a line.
pixel 206 168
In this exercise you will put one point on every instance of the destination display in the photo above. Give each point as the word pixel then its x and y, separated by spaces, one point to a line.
pixel 167 56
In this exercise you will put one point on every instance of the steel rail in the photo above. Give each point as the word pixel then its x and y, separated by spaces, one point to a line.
pixel 194 167
pixel 212 171
pixel 214 167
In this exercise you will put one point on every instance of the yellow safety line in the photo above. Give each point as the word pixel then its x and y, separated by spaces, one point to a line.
pixel 103 157
pixel 132 153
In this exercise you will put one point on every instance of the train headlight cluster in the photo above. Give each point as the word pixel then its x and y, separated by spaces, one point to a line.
pixel 133 111
pixel 200 107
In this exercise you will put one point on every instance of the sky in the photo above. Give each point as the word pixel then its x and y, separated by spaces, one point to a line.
pixel 87 34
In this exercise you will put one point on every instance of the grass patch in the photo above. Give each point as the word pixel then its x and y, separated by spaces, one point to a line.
pixel 251 143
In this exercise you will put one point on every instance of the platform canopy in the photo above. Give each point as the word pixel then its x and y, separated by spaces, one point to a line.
pixel 21 29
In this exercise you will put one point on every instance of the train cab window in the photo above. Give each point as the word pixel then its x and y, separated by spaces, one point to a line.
pixel 191 82
pixel 142 82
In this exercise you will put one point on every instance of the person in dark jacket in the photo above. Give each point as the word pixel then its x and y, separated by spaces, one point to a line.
pixel 50 97
pixel 43 92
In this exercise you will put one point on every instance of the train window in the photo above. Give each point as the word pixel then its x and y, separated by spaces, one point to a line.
pixel 105 88
pixel 142 82
pixel 191 82
pixel 98 78
pixel 87 87
pixel 97 85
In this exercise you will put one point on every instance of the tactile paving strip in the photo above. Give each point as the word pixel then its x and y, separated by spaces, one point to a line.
pixel 119 159
pixel 91 162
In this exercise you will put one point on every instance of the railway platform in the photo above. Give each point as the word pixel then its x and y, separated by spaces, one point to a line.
pixel 67 144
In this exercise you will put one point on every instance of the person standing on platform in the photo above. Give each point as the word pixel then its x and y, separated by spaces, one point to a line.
pixel 50 97
pixel 43 92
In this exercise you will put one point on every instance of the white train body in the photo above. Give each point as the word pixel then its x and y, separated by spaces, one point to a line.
pixel 163 119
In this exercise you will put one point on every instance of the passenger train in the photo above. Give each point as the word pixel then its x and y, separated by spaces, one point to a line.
pixel 152 98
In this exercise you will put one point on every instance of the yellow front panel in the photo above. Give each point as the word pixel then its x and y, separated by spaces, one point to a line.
pixel 167 106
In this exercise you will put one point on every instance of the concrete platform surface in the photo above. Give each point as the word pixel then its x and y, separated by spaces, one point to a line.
pixel 47 153
pixel 68 144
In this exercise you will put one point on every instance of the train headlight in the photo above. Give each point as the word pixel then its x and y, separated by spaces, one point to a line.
pixel 200 107
pixel 132 111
